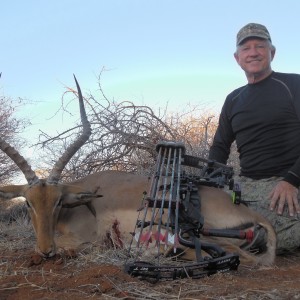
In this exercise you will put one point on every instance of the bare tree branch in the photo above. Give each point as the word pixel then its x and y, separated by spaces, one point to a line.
pixel 124 135
pixel 10 127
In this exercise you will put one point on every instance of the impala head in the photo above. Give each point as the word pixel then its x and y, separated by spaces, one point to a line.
pixel 46 197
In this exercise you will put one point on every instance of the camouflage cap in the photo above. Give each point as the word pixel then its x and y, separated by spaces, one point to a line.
pixel 252 30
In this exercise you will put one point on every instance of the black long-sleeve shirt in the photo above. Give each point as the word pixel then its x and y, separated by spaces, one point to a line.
pixel 264 119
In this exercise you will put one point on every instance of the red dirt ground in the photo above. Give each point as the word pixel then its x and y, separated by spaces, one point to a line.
pixel 93 273
pixel 24 275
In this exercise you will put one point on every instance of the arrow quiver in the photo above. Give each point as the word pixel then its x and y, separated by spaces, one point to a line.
pixel 170 218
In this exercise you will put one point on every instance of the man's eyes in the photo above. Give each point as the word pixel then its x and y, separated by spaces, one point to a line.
pixel 256 47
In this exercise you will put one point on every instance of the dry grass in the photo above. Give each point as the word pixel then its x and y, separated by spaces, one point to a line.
pixel 94 268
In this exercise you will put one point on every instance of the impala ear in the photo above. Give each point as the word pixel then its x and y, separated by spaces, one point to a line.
pixel 13 191
pixel 71 200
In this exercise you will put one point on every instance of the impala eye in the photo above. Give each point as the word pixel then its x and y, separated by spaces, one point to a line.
pixel 28 204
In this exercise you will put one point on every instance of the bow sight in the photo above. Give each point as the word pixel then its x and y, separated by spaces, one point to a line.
pixel 171 216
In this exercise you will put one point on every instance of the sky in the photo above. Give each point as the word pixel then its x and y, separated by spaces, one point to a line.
pixel 156 52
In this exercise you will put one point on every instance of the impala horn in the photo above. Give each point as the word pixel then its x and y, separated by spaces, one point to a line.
pixel 55 174
pixel 20 161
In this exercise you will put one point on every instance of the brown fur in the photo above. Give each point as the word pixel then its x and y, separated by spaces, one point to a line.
pixel 122 196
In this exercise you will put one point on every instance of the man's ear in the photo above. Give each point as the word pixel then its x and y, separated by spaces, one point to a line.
pixel 236 56
pixel 273 51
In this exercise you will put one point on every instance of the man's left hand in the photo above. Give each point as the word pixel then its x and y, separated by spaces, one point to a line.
pixel 284 193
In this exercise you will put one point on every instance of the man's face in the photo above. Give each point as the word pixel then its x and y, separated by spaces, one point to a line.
pixel 254 56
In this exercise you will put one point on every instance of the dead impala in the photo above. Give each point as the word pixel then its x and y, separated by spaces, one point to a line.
pixel 74 210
